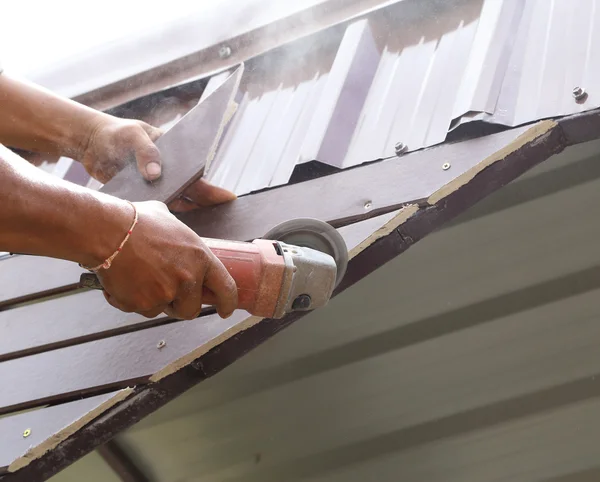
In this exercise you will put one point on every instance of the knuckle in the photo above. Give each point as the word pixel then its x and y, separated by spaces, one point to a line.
pixel 202 253
pixel 187 279
pixel 130 128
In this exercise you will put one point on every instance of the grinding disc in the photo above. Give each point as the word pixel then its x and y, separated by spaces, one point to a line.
pixel 314 234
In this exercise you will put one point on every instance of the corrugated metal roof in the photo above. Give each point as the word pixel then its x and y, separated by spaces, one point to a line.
pixel 557 47
pixel 410 73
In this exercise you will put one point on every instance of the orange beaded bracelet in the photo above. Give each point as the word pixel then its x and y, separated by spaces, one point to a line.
pixel 111 258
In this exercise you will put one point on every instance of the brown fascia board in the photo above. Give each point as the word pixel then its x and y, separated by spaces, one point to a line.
pixel 534 146
pixel 352 195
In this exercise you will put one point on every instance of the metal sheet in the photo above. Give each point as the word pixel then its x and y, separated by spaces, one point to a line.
pixel 556 48
pixel 384 81
pixel 185 149
pixel 437 65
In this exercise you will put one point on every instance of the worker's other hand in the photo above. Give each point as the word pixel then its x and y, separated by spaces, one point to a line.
pixel 114 141
pixel 164 267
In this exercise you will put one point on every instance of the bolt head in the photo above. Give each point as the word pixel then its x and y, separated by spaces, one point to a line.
pixel 161 344
pixel 225 52
pixel 26 433
pixel 579 93
pixel 400 148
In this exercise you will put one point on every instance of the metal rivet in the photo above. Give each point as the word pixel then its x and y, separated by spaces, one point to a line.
pixel 225 52
pixel 161 344
pixel 446 166
pixel 26 433
pixel 400 148
pixel 579 93
pixel 368 205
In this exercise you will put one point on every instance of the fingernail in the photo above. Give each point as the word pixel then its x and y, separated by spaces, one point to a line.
pixel 153 170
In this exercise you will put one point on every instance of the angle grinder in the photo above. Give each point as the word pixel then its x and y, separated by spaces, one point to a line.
pixel 294 267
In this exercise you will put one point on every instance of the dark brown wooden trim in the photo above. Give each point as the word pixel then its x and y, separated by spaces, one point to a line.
pixel 352 195
pixel 580 128
pixel 81 367
pixel 121 464
pixel 461 195
pixel 26 435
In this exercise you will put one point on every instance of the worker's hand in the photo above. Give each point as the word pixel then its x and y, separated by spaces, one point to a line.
pixel 114 141
pixel 164 267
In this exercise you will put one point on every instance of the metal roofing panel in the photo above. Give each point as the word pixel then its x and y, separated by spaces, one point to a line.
pixel 410 73
pixel 557 47
pixel 488 59
pixel 304 111
pixel 353 109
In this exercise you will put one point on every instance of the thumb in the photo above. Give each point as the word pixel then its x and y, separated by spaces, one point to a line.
pixel 147 156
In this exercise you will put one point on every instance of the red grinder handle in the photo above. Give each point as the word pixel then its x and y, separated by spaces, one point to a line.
pixel 257 268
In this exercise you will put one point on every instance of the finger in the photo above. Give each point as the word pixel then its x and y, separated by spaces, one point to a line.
pixel 153 132
pixel 218 280
pixel 188 302
pixel 205 194
pixel 147 156
pixel 154 312
pixel 180 205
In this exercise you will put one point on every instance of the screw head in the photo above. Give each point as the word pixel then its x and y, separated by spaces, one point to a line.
pixel 225 52
pixel 26 433
pixel 368 205
pixel 302 302
pixel 446 166
pixel 161 344
pixel 579 93
pixel 400 148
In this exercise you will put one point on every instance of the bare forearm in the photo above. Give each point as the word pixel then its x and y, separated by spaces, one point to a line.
pixel 47 216
pixel 37 120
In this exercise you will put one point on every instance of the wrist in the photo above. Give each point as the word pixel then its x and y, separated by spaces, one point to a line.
pixel 113 220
